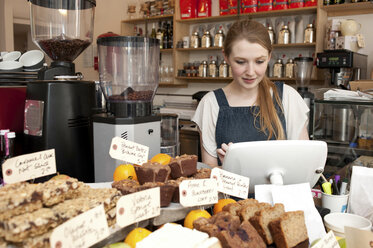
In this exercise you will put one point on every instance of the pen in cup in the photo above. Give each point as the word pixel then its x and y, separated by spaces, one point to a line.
pixel 326 186
pixel 342 190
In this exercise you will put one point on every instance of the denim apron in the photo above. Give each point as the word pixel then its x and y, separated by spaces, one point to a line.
pixel 236 124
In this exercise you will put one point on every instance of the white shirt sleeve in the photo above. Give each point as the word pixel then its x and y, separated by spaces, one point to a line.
pixel 205 117
pixel 296 112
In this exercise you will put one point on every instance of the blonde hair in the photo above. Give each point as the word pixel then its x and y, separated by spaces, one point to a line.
pixel 255 32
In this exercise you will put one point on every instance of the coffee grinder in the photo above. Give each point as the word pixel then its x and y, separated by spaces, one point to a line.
pixel 59 104
pixel 303 71
pixel 128 69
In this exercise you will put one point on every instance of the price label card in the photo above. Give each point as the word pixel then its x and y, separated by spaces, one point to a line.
pixel 358 238
pixel 198 192
pixel 328 241
pixel 84 230
pixel 230 183
pixel 29 166
pixel 138 206
pixel 128 151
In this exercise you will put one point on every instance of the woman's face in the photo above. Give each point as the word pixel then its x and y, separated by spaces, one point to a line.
pixel 248 62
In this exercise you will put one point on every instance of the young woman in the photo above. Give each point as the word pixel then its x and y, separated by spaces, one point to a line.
pixel 251 107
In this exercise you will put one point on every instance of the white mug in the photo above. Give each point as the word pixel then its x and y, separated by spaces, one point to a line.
pixel 186 41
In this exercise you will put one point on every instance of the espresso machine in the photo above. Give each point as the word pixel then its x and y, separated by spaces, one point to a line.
pixel 344 66
pixel 59 104
pixel 128 69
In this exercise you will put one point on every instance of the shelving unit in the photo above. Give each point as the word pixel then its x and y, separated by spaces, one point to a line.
pixel 182 28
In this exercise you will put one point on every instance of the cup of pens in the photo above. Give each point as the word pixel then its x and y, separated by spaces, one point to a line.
pixel 334 195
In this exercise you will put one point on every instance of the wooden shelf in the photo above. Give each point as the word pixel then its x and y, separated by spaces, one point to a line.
pixel 167 50
pixel 295 45
pixel 151 18
pixel 223 79
pixel 349 9
pixel 199 49
pixel 172 85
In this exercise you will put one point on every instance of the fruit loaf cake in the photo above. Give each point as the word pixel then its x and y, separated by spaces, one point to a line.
pixel 263 217
pixel 289 230
pixel 152 172
pixel 243 236
pixel 249 210
pixel 183 166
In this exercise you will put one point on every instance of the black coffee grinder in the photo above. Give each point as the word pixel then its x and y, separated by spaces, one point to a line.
pixel 59 104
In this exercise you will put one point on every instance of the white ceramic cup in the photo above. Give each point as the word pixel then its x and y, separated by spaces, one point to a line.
pixel 336 203
pixel 337 221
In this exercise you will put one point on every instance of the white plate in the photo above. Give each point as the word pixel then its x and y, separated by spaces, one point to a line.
pixel 12 56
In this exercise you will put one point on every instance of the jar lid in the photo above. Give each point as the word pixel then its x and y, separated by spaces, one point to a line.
pixel 290 60
pixel 207 32
pixel 220 31
pixel 195 33
pixel 285 27
pixel 212 62
pixel 11 135
pixel 310 25
pixel 303 59
pixel 279 61
pixel 204 62
pixel 3 131
pixel 270 28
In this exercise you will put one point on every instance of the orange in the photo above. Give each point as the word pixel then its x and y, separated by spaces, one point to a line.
pixel 124 171
pixel 193 215
pixel 136 235
pixel 218 207
pixel 161 158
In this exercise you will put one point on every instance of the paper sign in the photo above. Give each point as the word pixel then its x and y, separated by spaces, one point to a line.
pixel 358 238
pixel 82 231
pixel 128 151
pixel 29 166
pixel 328 241
pixel 138 206
pixel 230 183
pixel 198 192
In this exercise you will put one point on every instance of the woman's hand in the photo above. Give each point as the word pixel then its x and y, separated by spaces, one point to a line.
pixel 221 151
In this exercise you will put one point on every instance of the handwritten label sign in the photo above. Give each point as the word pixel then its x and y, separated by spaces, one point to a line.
pixel 328 241
pixel 29 166
pixel 198 192
pixel 138 206
pixel 84 230
pixel 230 183
pixel 358 238
pixel 128 151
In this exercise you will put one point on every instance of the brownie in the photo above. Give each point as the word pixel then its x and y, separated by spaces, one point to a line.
pixel 166 191
pixel 152 172
pixel 175 184
pixel 126 186
pixel 203 173
pixel 183 166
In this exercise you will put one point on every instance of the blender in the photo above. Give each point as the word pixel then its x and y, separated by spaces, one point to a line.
pixel 303 71
pixel 128 69
pixel 59 104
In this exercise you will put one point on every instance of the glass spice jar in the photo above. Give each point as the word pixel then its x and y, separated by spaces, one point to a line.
pixel 219 38
pixel 278 69
pixel 194 40
pixel 223 69
pixel 213 69
pixel 284 35
pixel 309 34
pixel 206 39
pixel 271 34
pixel 202 69
pixel 289 69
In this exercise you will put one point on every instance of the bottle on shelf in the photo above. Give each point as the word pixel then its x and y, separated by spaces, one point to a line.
pixel 278 69
pixel 165 36
pixel 159 35
pixel 170 35
pixel 153 33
